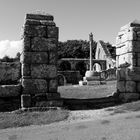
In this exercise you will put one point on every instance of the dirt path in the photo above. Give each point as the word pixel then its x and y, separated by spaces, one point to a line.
pixel 82 125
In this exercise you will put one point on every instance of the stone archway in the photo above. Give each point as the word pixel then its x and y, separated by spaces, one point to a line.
pixel 97 67
pixel 82 67
pixel 64 66
pixel 61 80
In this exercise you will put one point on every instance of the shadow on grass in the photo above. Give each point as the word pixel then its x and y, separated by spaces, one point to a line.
pixel 10 120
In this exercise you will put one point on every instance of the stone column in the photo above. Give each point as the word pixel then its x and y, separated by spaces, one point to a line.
pixel 39 58
pixel 128 62
pixel 91 46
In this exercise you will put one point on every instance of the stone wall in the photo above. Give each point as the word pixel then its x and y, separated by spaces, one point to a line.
pixel 39 59
pixel 72 77
pixel 10 87
pixel 128 62
pixel 109 74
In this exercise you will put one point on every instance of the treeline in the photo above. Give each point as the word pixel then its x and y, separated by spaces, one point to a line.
pixel 70 49
pixel 7 58
pixel 75 49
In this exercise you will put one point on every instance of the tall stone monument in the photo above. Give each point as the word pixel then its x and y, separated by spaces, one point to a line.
pixel 90 72
pixel 39 59
pixel 91 77
pixel 128 61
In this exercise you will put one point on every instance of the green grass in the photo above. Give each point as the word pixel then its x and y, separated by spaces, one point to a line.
pixel 133 106
pixel 15 119
pixel 87 92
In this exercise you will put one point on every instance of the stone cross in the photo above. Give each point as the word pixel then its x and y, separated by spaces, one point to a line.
pixel 91 45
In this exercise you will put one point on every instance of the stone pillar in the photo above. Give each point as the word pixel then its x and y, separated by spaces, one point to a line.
pixel 128 62
pixel 39 57
pixel 91 46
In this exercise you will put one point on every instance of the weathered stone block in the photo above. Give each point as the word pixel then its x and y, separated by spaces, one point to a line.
pixel 35 57
pixel 43 71
pixel 121 74
pixel 126 35
pixel 133 74
pixel 43 44
pixel 32 22
pixel 39 16
pixel 10 90
pixel 138 86
pixel 53 58
pixel 135 24
pixel 130 86
pixel 127 97
pixel 33 31
pixel 47 23
pixel 138 62
pixel 127 47
pixel 9 72
pixel 26 44
pixel 26 70
pixel 52 32
pixel 53 84
pixel 39 22
pixel 121 86
pixel 128 58
pixel 25 101
pixel 33 86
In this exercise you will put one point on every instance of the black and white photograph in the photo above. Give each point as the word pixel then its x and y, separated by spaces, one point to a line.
pixel 69 70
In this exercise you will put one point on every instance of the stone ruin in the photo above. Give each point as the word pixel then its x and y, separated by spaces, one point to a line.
pixel 33 82
pixel 128 62
pixel 39 59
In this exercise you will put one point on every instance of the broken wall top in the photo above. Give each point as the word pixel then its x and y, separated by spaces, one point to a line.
pixel 39 19
pixel 135 23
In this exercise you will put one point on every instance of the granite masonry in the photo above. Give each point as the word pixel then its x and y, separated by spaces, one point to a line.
pixel 128 62
pixel 10 87
pixel 39 61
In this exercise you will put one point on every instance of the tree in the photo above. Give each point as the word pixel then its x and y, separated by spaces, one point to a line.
pixel 6 58
pixel 74 49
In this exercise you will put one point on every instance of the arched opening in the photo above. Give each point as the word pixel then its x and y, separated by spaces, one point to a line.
pixel 81 66
pixel 64 66
pixel 61 80
pixel 97 67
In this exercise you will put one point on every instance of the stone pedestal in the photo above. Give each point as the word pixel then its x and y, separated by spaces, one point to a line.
pixel 91 78
pixel 89 74
pixel 39 57
pixel 128 61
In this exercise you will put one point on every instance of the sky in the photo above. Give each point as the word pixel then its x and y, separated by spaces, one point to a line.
pixel 75 19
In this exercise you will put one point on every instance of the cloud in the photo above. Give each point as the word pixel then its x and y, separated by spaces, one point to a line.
pixel 10 48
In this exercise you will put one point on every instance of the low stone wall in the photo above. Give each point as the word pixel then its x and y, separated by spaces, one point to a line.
pixel 71 76
pixel 10 88
pixel 109 74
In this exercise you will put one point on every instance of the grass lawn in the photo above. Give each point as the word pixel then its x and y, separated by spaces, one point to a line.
pixel 18 119
pixel 86 92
